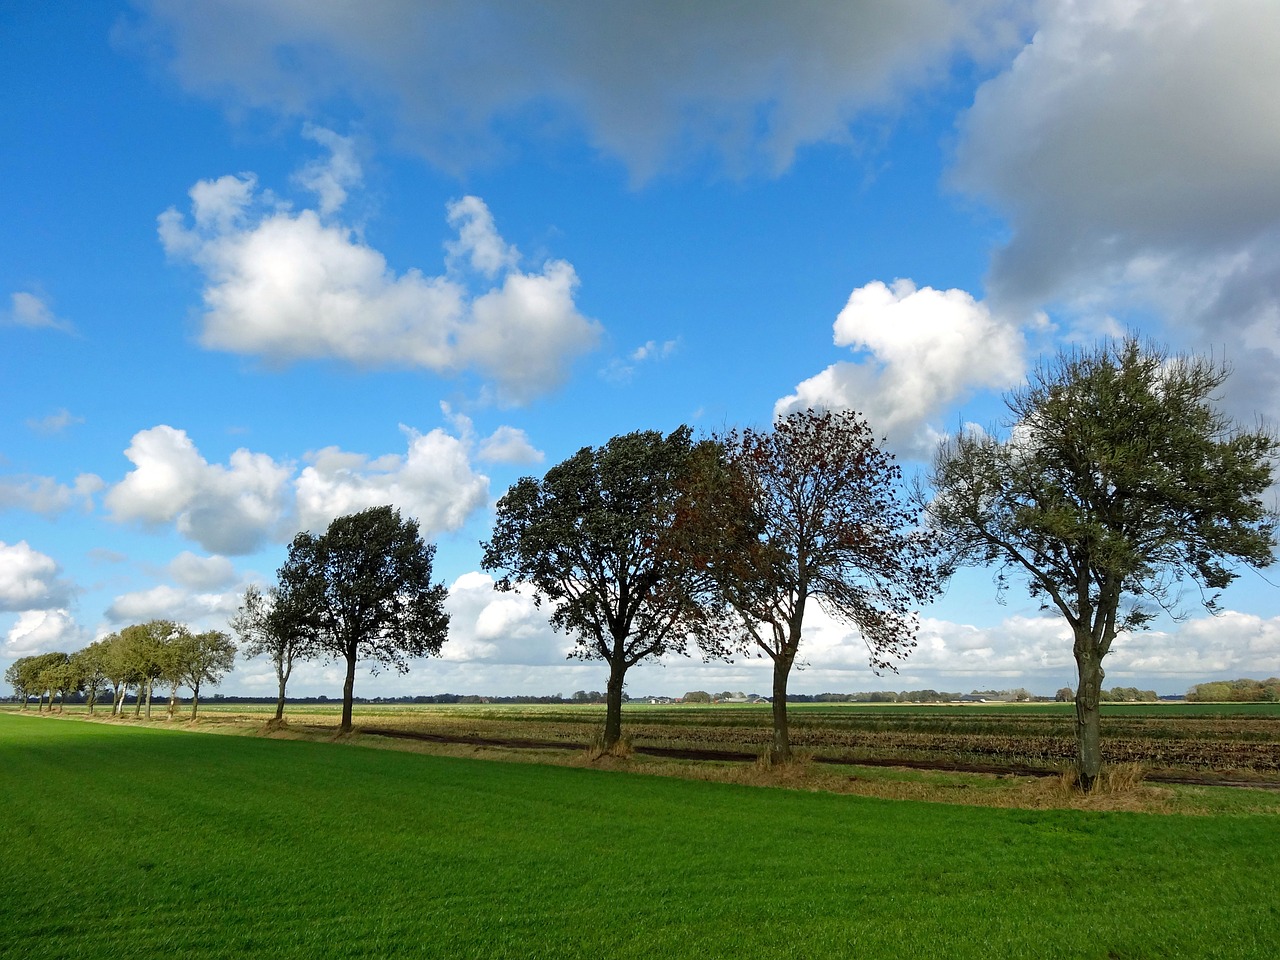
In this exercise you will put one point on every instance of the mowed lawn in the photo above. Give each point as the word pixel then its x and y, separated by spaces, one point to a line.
pixel 128 841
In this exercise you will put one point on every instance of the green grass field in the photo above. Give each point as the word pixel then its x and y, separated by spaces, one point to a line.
pixel 124 840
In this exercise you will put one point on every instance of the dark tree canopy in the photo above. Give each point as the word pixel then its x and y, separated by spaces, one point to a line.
pixel 593 539
pixel 1119 483
pixel 362 591
pixel 810 510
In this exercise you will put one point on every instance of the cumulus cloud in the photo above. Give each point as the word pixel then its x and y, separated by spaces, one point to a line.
pixel 43 631
pixel 1131 146
pixel 29 579
pixel 653 84
pixel 46 496
pixel 201 573
pixel 432 482
pixel 291 286
pixel 232 509
pixel 509 445
pixel 507 628
pixel 330 178
pixel 30 310
pixel 200 610
pixel 922 349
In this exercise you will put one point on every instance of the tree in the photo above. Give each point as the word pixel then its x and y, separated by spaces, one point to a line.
pixel 1119 481
pixel 51 677
pixel 1064 695
pixel 205 659
pixel 593 540
pixel 22 676
pixel 264 633
pixel 810 510
pixel 697 696
pixel 362 591
pixel 143 646
pixel 118 666
pixel 90 665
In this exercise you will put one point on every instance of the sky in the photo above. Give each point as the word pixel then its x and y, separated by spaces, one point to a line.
pixel 265 263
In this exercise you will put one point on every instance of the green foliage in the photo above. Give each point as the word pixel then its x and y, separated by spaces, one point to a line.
pixel 265 632
pixel 1236 691
pixel 253 851
pixel 362 591
pixel 594 539
pixel 1119 480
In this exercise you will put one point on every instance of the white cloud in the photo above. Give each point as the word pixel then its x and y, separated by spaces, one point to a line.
pixel 29 579
pixel 924 349
pixel 45 495
pixel 506 628
pixel 233 509
pixel 29 310
pixel 207 610
pixel 55 422
pixel 201 573
pixel 655 84
pixel 433 482
pixel 509 445
pixel 1131 146
pixel 293 286
pixel 329 179
pixel 43 631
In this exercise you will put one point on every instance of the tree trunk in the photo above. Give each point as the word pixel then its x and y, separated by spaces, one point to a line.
pixel 613 703
pixel 280 700
pixel 348 692
pixel 173 700
pixel 195 699
pixel 117 702
pixel 781 750
pixel 1088 714
pixel 150 685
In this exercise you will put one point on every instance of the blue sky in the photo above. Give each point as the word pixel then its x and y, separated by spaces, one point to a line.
pixel 262 264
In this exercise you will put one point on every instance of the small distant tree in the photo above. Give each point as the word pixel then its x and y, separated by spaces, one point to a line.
pixel 362 591
pixel 1118 481
pixel 21 675
pixel 1064 695
pixel 593 538
pixel 263 632
pixel 90 665
pixel 697 696
pixel 53 677
pixel 118 666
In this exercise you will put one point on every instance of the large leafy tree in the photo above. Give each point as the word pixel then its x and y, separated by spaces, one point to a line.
pixel 265 632
pixel 362 591
pixel 90 666
pixel 145 648
pixel 809 511
pixel 1118 482
pixel 592 538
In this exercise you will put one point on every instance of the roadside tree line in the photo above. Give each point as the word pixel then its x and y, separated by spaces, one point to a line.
pixel 1117 482
pixel 139 658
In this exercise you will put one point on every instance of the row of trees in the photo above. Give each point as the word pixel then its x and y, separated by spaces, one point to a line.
pixel 1236 691
pixel 1118 481
pixel 137 658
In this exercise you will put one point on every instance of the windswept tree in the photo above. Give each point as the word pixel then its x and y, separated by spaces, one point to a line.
pixel 53 677
pixel 1117 481
pixel 264 632
pixel 118 666
pixel 593 540
pixel 811 510
pixel 205 659
pixel 90 665
pixel 21 675
pixel 362 591
pixel 144 647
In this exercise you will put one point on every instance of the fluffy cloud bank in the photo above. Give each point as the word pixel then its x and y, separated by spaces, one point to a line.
pixel 295 285
pixel 237 508
pixel 920 350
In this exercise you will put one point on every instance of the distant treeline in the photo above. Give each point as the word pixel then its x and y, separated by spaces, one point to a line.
pixel 1236 691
